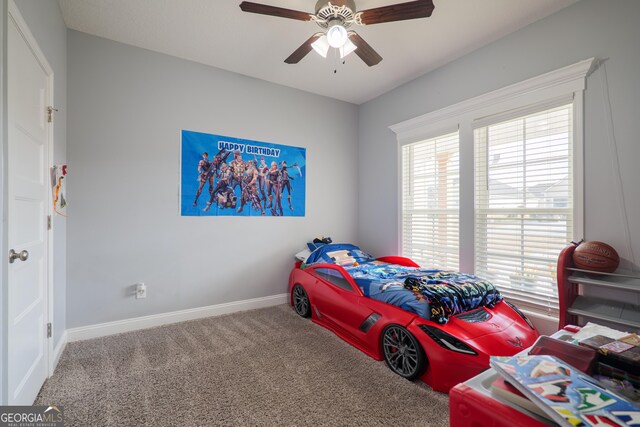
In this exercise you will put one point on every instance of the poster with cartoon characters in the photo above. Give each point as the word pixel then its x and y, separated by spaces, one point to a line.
pixel 228 176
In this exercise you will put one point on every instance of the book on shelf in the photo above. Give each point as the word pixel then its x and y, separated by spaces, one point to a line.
pixel 568 396
pixel 622 353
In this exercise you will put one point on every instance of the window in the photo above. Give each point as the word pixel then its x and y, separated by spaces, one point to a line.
pixel 335 277
pixel 503 195
pixel 430 199
pixel 524 204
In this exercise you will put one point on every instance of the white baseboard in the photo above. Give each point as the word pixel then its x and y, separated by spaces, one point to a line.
pixel 144 322
pixel 57 352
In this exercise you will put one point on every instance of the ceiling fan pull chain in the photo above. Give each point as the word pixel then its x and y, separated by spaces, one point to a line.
pixel 334 61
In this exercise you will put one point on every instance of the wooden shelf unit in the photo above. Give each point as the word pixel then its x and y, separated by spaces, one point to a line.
pixel 573 303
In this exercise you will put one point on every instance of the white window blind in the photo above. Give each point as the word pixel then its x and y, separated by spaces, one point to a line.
pixel 524 204
pixel 430 202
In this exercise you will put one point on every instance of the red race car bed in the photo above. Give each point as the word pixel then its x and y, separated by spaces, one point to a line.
pixel 438 326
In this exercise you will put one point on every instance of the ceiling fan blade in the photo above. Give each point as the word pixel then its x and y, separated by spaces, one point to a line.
pixel 281 12
pixel 303 50
pixel 364 50
pixel 397 12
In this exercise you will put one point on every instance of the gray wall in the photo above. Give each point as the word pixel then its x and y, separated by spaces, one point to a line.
pixel 590 28
pixel 127 107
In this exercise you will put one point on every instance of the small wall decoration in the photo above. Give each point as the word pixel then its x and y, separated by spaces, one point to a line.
pixel 229 176
pixel 58 176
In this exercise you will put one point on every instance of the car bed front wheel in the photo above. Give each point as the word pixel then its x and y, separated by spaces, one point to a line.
pixel 402 352
pixel 301 301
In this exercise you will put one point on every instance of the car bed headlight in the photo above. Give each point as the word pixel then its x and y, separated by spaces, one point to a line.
pixel 447 341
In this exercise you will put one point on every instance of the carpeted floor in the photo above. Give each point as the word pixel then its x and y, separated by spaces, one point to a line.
pixel 263 367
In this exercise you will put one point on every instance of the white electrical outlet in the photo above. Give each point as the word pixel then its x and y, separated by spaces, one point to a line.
pixel 141 290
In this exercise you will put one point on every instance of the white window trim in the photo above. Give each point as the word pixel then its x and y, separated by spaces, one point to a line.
pixel 566 81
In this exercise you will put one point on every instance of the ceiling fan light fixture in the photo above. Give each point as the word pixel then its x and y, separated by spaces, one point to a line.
pixel 337 35
pixel 321 46
pixel 347 48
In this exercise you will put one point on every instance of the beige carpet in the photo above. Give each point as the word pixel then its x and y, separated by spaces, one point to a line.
pixel 264 367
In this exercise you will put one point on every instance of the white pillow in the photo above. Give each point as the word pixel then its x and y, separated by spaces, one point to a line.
pixel 303 255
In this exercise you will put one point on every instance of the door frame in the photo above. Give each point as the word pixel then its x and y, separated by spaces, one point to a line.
pixel 15 16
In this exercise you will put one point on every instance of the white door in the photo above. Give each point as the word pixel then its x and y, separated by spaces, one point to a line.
pixel 28 132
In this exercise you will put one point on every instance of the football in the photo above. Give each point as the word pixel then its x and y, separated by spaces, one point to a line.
pixel 596 256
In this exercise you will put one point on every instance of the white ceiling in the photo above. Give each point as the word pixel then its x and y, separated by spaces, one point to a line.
pixel 218 33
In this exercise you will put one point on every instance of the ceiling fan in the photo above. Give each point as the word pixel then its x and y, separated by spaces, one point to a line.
pixel 334 17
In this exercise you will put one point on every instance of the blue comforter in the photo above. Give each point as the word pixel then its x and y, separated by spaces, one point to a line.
pixel 432 294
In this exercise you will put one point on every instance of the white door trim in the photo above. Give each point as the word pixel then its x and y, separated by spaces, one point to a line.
pixel 15 16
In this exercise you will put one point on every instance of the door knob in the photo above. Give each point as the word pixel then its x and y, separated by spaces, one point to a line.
pixel 22 256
